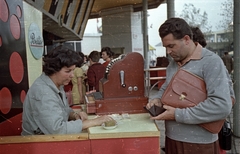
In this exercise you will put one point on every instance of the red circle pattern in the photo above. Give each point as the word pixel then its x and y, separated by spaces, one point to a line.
pixel 15 27
pixel 4 11
pixel 22 95
pixel 19 12
pixel 16 67
pixel 5 100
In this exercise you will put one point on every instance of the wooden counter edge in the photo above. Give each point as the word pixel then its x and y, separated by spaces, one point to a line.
pixel 124 135
pixel 43 138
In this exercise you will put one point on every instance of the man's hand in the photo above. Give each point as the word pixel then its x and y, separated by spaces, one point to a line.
pixel 155 101
pixel 169 114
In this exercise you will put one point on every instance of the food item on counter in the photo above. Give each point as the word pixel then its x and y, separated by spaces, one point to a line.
pixel 110 123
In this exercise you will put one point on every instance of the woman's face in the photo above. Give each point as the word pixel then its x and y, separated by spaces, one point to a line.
pixel 64 76
pixel 84 59
pixel 104 55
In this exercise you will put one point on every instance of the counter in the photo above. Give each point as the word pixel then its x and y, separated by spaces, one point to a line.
pixel 136 135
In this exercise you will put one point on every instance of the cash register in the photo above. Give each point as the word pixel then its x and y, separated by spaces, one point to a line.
pixel 122 87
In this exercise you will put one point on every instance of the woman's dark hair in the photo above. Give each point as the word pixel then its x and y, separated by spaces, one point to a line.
pixel 198 36
pixel 81 61
pixel 175 26
pixel 86 57
pixel 58 58
pixel 108 51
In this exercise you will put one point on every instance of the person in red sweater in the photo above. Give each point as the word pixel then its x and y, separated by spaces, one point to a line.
pixel 107 55
pixel 95 71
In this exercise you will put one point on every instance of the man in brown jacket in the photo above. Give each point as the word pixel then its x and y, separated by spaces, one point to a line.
pixel 228 62
pixel 95 71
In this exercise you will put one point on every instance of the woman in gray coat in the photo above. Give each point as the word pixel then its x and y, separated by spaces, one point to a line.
pixel 45 109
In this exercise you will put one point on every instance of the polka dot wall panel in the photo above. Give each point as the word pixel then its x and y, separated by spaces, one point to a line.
pixel 13 62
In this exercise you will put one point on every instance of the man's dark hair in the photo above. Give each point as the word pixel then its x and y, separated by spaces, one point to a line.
pixel 175 26
pixel 198 36
pixel 94 56
pixel 58 58
pixel 226 53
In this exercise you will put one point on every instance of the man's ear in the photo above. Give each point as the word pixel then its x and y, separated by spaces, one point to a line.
pixel 187 39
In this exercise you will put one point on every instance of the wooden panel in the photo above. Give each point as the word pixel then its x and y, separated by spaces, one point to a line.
pixel 135 134
pixel 12 126
pixel 133 77
pixel 64 8
pixel 79 17
pixel 47 5
pixel 73 13
pixel 63 147
pixel 43 138
pixel 121 105
pixel 86 17
pixel 149 145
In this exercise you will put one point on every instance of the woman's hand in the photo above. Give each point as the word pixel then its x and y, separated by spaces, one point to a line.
pixel 78 115
pixel 96 122
pixel 81 115
pixel 100 120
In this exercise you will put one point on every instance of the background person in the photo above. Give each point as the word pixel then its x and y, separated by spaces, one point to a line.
pixel 78 81
pixel 85 64
pixel 198 36
pixel 107 55
pixel 183 134
pixel 95 72
pixel 45 108
pixel 228 62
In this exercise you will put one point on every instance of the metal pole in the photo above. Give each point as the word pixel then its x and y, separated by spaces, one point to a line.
pixel 170 8
pixel 170 14
pixel 236 76
pixel 145 44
